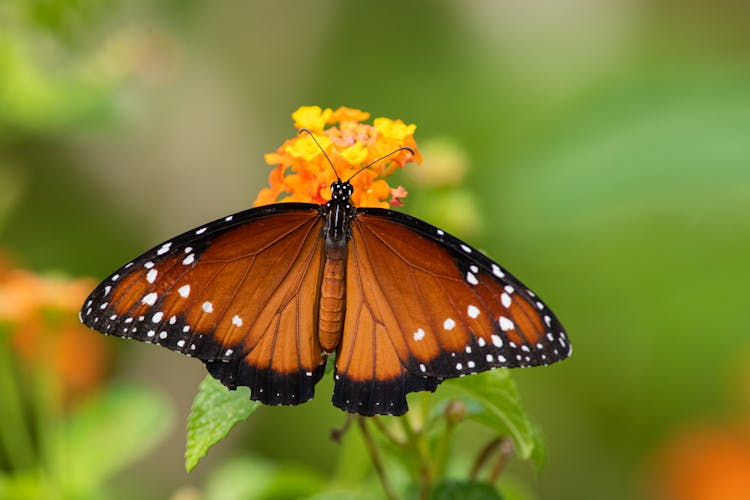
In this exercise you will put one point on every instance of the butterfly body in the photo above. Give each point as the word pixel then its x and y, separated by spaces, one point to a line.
pixel 338 214
pixel 262 296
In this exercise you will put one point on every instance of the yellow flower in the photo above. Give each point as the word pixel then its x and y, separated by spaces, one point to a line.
pixel 355 154
pixel 393 129
pixel 302 172
pixel 312 117
pixel 306 149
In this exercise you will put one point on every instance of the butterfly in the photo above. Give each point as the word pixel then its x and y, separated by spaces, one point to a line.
pixel 262 297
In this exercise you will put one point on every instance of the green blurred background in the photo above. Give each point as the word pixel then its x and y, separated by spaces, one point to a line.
pixel 608 146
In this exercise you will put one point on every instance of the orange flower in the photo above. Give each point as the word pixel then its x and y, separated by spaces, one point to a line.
pixel 704 462
pixel 40 314
pixel 303 174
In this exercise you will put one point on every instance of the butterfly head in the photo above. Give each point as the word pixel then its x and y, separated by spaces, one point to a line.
pixel 341 191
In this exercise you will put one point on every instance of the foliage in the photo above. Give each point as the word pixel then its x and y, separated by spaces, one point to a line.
pixel 419 443
pixel 215 411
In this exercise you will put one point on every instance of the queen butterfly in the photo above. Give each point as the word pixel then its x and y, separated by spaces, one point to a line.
pixel 263 296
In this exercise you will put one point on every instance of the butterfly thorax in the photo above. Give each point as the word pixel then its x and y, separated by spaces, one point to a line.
pixel 338 214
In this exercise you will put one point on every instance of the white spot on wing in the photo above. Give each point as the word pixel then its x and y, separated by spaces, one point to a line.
pixel 449 324
pixel 164 248
pixel 497 271
pixel 419 335
pixel 149 299
pixel 184 290
pixel 481 342
pixel 208 306
pixel 473 311
pixel 497 341
pixel 506 324
pixel 228 352
pixel 157 317
pixel 236 320
pixel 189 259
pixel 151 275
pixel 465 248
pixel 471 278
pixel 201 230
pixel 505 300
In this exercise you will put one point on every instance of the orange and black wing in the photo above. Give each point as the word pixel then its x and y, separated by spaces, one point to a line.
pixel 239 293
pixel 423 306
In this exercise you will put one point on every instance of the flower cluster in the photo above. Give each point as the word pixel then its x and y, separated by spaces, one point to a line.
pixel 39 314
pixel 303 174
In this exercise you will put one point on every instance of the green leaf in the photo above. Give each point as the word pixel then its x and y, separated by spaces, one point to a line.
pixel 492 399
pixel 464 490
pixel 215 411
pixel 108 433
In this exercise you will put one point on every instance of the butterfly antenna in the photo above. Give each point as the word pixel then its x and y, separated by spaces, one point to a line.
pixel 307 130
pixel 402 148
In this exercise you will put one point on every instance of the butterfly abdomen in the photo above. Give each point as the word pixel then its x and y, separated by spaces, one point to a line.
pixel 332 298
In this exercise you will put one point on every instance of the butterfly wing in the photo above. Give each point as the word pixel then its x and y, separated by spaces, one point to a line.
pixel 239 293
pixel 423 306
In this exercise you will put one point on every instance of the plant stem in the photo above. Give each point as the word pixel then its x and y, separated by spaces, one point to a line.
pixel 505 451
pixel 441 454
pixel 503 446
pixel 419 443
pixel 377 462
pixel 384 430
pixel 483 456
pixel 15 436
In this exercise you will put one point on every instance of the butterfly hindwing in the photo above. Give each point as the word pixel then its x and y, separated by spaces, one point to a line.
pixel 424 306
pixel 239 293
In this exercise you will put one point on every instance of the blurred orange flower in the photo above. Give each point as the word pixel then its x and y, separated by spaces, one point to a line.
pixel 40 315
pixel 706 462
pixel 302 173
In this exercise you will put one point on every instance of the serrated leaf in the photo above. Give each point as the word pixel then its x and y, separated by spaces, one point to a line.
pixel 464 490
pixel 109 432
pixel 492 399
pixel 215 411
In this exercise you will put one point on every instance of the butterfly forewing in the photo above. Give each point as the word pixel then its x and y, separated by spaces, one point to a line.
pixel 423 306
pixel 240 293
